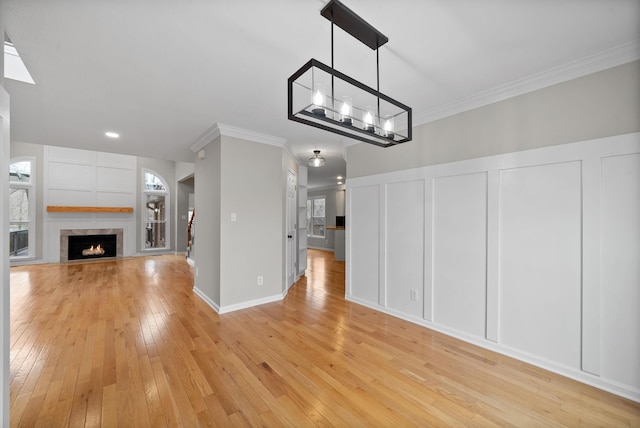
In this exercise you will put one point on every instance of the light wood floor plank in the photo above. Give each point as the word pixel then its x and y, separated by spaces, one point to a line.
pixel 128 343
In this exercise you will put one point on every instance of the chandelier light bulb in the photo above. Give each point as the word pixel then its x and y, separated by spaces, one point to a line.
pixel 318 100
pixel 388 127
pixel 345 110
pixel 367 119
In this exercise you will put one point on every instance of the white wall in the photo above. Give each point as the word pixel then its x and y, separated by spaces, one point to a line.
pixel 4 251
pixel 206 238
pixel 535 254
pixel 253 244
pixel 75 177
pixel 594 106
pixel 239 202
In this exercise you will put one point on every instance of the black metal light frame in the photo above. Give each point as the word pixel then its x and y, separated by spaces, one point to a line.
pixel 350 22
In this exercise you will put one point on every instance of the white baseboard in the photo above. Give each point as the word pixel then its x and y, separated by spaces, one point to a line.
pixel 238 306
pixel 570 372
pixel 207 300
pixel 251 303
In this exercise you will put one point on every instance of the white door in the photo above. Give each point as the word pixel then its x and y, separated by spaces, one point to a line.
pixel 291 228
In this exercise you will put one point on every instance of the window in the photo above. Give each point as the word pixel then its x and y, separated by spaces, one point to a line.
pixel 156 201
pixel 21 208
pixel 315 217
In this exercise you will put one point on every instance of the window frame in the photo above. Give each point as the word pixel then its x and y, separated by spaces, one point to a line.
pixel 310 233
pixel 30 186
pixel 143 201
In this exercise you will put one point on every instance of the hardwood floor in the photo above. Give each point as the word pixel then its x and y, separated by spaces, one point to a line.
pixel 127 343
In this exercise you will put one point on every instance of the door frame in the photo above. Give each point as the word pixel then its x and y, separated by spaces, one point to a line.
pixel 291 232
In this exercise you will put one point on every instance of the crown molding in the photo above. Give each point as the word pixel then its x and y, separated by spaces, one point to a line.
pixel 621 54
pixel 232 131
pixel 219 129
pixel 292 152
pixel 208 136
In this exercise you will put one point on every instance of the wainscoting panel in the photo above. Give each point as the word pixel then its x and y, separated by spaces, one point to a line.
pixel 111 178
pixel 540 264
pixel 404 246
pixel 90 179
pixel 64 154
pixel 69 176
pixel 116 160
pixel 620 292
pixel 364 260
pixel 459 252
pixel 67 197
pixel 116 199
pixel 534 254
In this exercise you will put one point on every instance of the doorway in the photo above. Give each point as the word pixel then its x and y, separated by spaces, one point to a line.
pixel 291 228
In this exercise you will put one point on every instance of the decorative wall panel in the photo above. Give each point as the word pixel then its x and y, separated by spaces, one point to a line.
pixel 620 273
pixel 364 262
pixel 459 252
pixel 540 235
pixel 535 254
pixel 405 246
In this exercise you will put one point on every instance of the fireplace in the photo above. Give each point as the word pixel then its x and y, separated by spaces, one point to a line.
pixel 91 246
pixel 87 244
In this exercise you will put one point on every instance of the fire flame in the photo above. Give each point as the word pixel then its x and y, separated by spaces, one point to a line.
pixel 93 251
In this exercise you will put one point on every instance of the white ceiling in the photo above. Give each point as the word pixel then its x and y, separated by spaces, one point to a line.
pixel 162 72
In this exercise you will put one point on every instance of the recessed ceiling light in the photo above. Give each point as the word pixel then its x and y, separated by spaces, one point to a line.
pixel 339 182
pixel 339 177
pixel 112 134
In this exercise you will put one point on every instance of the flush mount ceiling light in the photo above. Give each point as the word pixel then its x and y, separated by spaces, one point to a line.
pixel 323 97
pixel 316 160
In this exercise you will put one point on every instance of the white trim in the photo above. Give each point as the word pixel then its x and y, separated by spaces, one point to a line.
pixel 31 188
pixel 245 134
pixel 143 212
pixel 238 306
pixel 607 385
pixel 208 136
pixel 588 153
pixel 206 299
pixel 219 129
pixel 292 153
pixel 251 303
pixel 5 374
pixel 610 58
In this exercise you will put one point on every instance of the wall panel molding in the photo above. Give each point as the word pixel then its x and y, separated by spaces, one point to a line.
pixel 557 281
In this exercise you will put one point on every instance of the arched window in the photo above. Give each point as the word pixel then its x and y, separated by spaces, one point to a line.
pixel 154 211
pixel 22 211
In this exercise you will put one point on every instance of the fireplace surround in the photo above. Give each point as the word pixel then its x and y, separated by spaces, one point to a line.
pixel 69 251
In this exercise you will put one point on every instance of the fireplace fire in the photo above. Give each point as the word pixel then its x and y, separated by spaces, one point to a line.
pixel 91 246
pixel 97 251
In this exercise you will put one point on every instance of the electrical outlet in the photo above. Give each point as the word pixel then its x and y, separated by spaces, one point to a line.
pixel 260 280
pixel 414 295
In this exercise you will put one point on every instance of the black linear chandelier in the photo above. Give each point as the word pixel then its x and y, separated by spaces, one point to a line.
pixel 323 97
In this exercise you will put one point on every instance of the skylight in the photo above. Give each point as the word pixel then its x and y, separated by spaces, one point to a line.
pixel 14 68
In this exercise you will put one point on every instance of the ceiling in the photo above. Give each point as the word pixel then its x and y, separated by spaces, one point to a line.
pixel 163 72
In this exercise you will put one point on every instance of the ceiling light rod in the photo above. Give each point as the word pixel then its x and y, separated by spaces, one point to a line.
pixel 389 125
pixel 352 23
